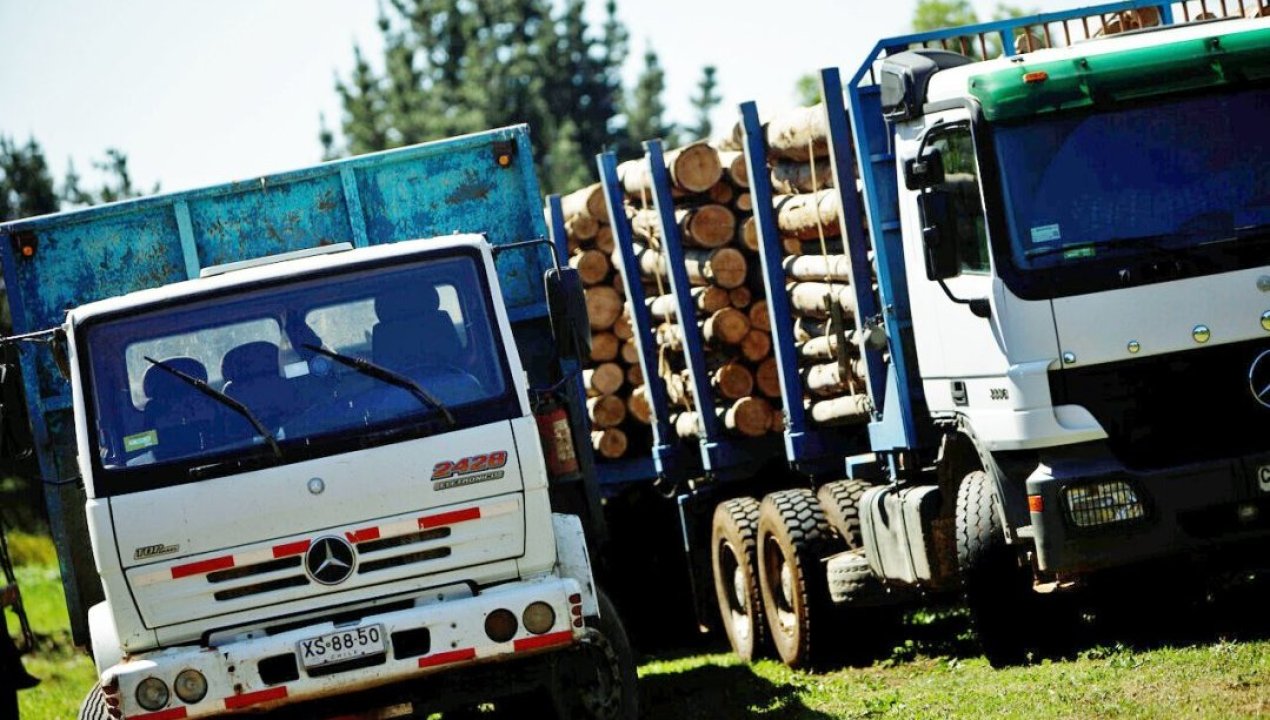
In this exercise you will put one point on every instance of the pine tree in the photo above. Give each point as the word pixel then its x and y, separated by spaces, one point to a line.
pixel 645 111
pixel 26 188
pixel 705 101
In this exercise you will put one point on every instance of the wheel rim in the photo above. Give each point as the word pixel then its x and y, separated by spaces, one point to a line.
pixel 599 684
pixel 740 619
pixel 781 586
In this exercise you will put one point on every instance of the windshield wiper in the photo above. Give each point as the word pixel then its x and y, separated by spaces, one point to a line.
pixel 391 377
pixel 224 399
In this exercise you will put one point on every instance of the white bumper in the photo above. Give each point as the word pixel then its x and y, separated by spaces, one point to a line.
pixel 456 630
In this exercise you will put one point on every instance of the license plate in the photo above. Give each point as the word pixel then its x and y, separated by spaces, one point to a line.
pixel 342 645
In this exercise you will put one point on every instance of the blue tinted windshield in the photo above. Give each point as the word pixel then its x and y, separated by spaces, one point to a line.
pixel 1174 175
pixel 429 322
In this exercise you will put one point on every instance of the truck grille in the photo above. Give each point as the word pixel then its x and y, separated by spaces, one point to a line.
pixel 1174 409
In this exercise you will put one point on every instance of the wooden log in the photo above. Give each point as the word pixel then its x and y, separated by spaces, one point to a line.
pixel 791 178
pixel 651 262
pixel 707 299
pixel 750 416
pixel 756 344
pixel 635 375
pixel 740 297
pixel 606 411
pixel 825 347
pixel 759 317
pixel 798 134
pixel 603 305
pixel 799 215
pixel 588 201
pixel 817 267
pixel 747 234
pixel 629 352
pixel 791 246
pixel 704 226
pixel 721 192
pixel 622 327
pixel 638 407
pixel 581 228
pixel 767 378
pixel 725 267
pixel 732 381
pixel 845 410
pixel 592 265
pixel 734 169
pixel 778 420
pixel 603 379
pixel 743 203
pixel 604 239
pixel 609 443
pixel 828 380
pixel 727 326
pixel 693 169
pixel 678 389
pixel 807 299
pixel 619 286
pixel 604 346
pixel 807 328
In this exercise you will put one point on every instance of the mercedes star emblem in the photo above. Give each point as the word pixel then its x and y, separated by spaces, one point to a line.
pixel 1259 379
pixel 330 560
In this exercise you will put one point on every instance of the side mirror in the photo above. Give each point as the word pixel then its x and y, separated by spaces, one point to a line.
pixel 938 239
pixel 925 171
pixel 566 302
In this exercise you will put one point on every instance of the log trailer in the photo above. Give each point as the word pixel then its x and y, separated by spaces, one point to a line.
pixel 308 445
pixel 1051 257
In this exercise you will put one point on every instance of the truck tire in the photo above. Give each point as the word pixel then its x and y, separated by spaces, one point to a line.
pixel 734 561
pixel 997 589
pixel 793 536
pixel 94 706
pixel 598 682
pixel 840 501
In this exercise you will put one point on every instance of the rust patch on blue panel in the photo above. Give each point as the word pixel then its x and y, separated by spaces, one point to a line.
pixel 471 188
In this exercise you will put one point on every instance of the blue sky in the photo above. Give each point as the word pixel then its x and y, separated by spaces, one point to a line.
pixel 204 92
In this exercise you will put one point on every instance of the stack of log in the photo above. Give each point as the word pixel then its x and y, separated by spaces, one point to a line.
pixel 712 207
pixel 710 189
pixel 616 404
pixel 817 269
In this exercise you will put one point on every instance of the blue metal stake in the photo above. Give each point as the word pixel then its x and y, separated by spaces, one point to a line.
pixel 842 159
pixel 685 310
pixel 665 451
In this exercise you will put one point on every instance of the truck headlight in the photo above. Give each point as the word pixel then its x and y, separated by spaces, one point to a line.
pixel 1102 503
pixel 190 686
pixel 500 625
pixel 152 693
pixel 539 617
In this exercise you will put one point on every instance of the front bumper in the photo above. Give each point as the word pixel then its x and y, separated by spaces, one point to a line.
pixel 1192 509
pixel 263 672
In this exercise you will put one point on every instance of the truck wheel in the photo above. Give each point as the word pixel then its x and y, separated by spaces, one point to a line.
pixel 793 535
pixel 95 707
pixel 997 590
pixel 840 501
pixel 735 565
pixel 598 681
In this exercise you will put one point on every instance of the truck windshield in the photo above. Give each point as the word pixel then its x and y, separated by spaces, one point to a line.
pixel 1182 180
pixel 288 352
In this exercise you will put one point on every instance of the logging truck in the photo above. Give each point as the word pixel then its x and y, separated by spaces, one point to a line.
pixel 1014 285
pixel 308 445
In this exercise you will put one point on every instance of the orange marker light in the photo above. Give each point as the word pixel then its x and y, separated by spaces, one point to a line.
pixel 1035 76
pixel 1035 503
pixel 28 250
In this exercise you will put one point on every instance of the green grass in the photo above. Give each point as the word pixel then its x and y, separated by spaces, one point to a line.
pixel 66 673
pixel 934 672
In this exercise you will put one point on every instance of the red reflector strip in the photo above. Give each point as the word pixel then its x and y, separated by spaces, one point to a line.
pixel 449 518
pixel 235 702
pixel 169 714
pixel 564 637
pixel 1035 503
pixel 202 566
pixel 1036 76
pixel 289 549
pixel 446 658
pixel 356 536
